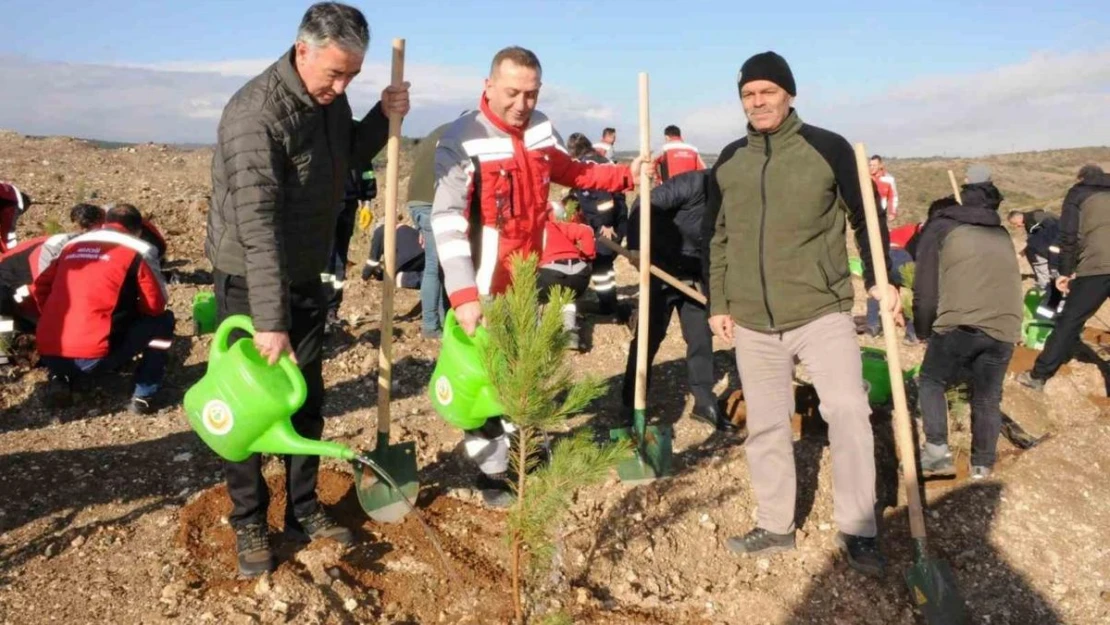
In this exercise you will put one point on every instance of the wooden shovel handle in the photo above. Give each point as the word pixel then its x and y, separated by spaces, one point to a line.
pixel 955 187
pixel 392 164
pixel 903 433
pixel 645 246
pixel 655 271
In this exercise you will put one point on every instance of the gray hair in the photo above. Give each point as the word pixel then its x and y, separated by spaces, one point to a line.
pixel 335 23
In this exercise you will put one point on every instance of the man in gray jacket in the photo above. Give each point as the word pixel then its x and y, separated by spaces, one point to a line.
pixel 286 142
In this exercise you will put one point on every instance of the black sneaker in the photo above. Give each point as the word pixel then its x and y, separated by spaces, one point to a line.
pixel 495 489
pixel 59 392
pixel 863 553
pixel 760 542
pixel 141 405
pixel 712 415
pixel 1027 380
pixel 253 544
pixel 316 526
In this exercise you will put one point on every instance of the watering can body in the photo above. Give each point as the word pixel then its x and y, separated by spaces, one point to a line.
pixel 243 405
pixel 204 313
pixel 460 389
pixel 877 375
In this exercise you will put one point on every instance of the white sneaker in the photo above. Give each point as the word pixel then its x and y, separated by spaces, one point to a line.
pixel 979 473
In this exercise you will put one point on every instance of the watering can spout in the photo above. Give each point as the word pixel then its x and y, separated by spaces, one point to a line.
pixel 280 439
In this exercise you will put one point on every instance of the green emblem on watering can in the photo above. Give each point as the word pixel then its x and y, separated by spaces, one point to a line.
pixel 460 389
pixel 243 405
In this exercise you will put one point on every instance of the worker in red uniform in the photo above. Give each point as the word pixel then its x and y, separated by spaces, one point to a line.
pixel 677 157
pixel 19 267
pixel 568 250
pixel 888 188
pixel 103 302
pixel 13 203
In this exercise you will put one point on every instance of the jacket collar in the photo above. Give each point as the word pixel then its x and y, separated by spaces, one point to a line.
pixel 789 127
pixel 500 124
pixel 287 74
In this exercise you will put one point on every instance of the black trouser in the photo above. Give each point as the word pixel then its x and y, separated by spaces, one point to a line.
pixel 249 496
pixel 604 281
pixel 576 283
pixel 337 262
pixel 694 318
pixel 965 348
pixel 1085 297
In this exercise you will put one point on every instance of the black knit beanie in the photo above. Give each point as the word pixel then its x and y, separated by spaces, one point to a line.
pixel 767 66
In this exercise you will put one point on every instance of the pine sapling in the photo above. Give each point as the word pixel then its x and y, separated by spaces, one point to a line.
pixel 527 362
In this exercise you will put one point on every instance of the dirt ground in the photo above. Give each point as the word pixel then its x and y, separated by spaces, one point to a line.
pixel 108 517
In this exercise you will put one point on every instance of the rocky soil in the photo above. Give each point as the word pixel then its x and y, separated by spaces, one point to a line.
pixel 108 517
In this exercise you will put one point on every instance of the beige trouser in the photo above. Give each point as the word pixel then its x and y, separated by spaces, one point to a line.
pixel 827 348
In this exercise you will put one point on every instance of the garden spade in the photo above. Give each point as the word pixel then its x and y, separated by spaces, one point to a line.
pixel 652 443
pixel 931 582
pixel 383 501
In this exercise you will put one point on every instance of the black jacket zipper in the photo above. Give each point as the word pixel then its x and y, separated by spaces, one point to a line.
pixel 762 226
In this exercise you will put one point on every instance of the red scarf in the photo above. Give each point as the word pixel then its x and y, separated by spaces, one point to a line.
pixel 520 151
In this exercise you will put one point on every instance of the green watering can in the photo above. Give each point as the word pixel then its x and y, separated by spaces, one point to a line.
pixel 460 389
pixel 1035 333
pixel 877 375
pixel 242 405
pixel 204 313
pixel 1030 303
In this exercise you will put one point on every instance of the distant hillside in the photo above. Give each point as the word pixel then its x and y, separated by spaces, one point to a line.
pixel 1027 179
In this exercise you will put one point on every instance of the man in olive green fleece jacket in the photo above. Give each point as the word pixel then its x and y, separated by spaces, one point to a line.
pixel 1084 270
pixel 780 288
pixel 286 142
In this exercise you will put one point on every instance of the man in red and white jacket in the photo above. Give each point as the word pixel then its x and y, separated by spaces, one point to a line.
pixel 103 302
pixel 605 147
pixel 493 170
pixel 678 157
pixel 888 189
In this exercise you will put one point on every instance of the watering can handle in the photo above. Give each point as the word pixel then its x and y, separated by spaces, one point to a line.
pixel 219 341
pixel 299 391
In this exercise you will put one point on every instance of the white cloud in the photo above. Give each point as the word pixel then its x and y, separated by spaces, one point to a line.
pixel 182 101
pixel 1046 101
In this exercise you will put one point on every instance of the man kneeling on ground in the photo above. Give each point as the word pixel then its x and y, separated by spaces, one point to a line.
pixel 103 302
pixel 410 257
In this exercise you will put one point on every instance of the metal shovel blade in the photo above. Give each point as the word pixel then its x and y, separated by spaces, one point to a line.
pixel 653 446
pixel 934 591
pixel 381 500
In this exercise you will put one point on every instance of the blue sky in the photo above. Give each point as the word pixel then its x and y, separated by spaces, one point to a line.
pixel 855 65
